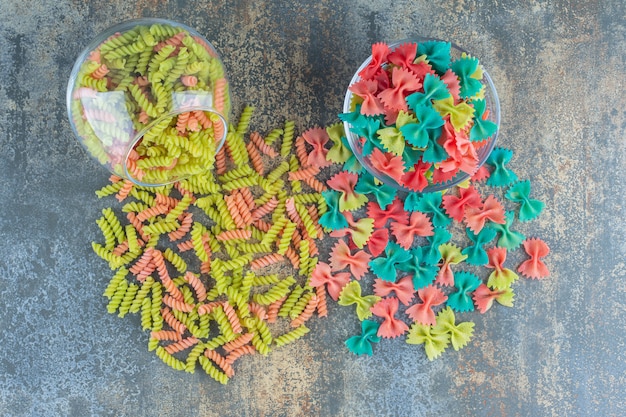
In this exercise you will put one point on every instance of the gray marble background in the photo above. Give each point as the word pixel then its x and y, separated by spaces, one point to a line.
pixel 559 70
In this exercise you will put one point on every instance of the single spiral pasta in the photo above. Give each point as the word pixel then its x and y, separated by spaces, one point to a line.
pixel 169 360
pixel 240 341
pixel 307 313
pixel 288 133
pixel 291 336
pixel 212 371
pixel 181 345
pixel 259 143
pixel 220 361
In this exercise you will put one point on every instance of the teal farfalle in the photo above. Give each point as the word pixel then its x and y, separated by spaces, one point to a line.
pixel 432 255
pixel 423 274
pixel 332 219
pixel 426 130
pixel 476 254
pixel 501 176
pixel 464 68
pixel 354 118
pixel 509 239
pixel 362 344
pixel 431 203
pixel 383 193
pixel 465 283
pixel 434 89
pixel 529 208
pixel 385 266
pixel 482 129
pixel 438 53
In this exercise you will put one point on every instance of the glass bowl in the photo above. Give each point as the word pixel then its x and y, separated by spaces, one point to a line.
pixel 374 138
pixel 149 100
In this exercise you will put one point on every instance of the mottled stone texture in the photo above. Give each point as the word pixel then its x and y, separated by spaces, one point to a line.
pixel 559 69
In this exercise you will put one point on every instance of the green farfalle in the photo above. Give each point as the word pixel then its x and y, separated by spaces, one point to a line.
pixel 509 239
pixel 332 219
pixel 434 89
pixel 465 68
pixel 426 129
pixel 529 208
pixel 460 114
pixel 351 294
pixel 431 203
pixel 438 53
pixel 423 274
pixel 482 129
pixel 435 341
pixel 476 254
pixel 501 176
pixel 340 152
pixel 362 344
pixel 465 283
pixel 384 267
pixel 432 255
pixel 460 334
pixel 383 193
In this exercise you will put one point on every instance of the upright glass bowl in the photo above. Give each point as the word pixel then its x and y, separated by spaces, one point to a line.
pixel 491 113
pixel 149 100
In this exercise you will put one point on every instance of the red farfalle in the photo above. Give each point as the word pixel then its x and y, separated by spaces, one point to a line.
pixel 455 206
pixel 394 211
pixel 440 176
pixel 378 241
pixel 491 209
pixel 418 225
pixel 380 51
pixel 403 289
pixel 416 180
pixel 322 275
pixel 534 267
pixel 391 326
pixel 404 56
pixel 317 138
pixel 341 258
pixel 453 83
pixel 481 174
pixel 387 163
pixel 484 297
pixel 403 83
pixel 423 312
pixel 367 90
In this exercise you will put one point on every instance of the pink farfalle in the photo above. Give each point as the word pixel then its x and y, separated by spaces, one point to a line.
pixel 367 90
pixel 387 163
pixel 455 206
pixel 344 182
pixel 317 138
pixel 378 241
pixel 341 258
pixel 403 83
pixel 380 51
pixel 416 180
pixel 391 326
pixel 491 209
pixel 484 297
pixel 423 312
pixel 534 267
pixel 360 231
pixel 322 275
pixel 403 289
pixel 453 83
pixel 419 225
pixel 481 174
pixel 394 211
pixel 440 176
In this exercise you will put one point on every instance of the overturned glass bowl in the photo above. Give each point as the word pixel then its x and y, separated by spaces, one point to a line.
pixel 421 115
pixel 149 100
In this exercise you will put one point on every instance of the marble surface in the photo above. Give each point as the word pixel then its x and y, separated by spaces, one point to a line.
pixel 559 70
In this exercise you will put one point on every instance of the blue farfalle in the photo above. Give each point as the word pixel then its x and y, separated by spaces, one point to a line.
pixel 529 208
pixel 431 254
pixel 438 54
pixel 434 89
pixel 431 203
pixel 476 254
pixel 509 239
pixel 464 68
pixel 384 267
pixel 383 193
pixel 501 176
pixel 423 274
pixel 426 129
pixel 362 344
pixel 333 219
pixel 482 129
pixel 465 283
